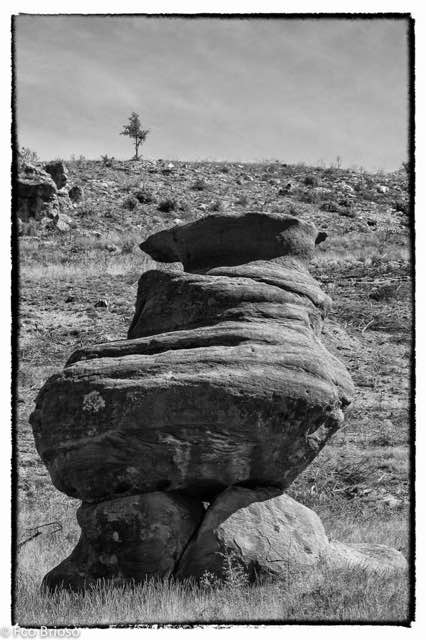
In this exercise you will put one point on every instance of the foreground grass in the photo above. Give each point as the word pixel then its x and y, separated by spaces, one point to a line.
pixel 322 595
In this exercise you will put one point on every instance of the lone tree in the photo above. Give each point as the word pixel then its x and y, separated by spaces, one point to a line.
pixel 135 131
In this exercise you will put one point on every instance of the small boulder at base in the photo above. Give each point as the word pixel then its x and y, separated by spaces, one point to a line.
pixel 266 533
pixel 271 535
pixel 128 539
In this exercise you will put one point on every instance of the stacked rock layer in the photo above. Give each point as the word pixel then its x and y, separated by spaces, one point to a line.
pixel 222 382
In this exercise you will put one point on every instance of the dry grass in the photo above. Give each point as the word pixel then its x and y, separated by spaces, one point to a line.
pixel 320 595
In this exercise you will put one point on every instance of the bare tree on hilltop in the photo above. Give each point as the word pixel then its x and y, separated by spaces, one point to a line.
pixel 134 130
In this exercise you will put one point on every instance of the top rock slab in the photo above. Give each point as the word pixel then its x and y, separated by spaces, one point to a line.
pixel 230 240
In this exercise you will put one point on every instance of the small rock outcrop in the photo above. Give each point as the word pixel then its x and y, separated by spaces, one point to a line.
pixel 36 193
pixel 223 381
pixel 58 171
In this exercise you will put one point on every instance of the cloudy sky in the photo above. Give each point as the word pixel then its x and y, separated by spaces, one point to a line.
pixel 294 90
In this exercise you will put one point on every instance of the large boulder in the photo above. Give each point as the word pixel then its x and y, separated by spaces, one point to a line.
pixel 223 381
pixel 232 239
pixel 270 535
pixel 36 193
pixel 131 538
pixel 58 171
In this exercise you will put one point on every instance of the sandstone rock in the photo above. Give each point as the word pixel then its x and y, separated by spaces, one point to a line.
pixel 58 171
pixel 274 536
pixel 232 240
pixel 223 381
pixel 266 533
pixel 374 558
pixel 36 193
pixel 63 222
pixel 76 193
pixel 129 538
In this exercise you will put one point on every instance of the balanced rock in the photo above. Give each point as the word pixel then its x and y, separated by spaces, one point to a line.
pixel 130 538
pixel 36 193
pixel 269 535
pixel 223 380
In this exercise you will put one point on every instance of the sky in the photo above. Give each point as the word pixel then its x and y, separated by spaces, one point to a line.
pixel 215 89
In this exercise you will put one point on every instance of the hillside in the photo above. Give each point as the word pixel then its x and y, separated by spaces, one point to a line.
pixel 78 286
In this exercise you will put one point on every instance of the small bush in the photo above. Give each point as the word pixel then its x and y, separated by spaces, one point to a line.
pixel 308 196
pixel 183 206
pixel 330 205
pixel 385 291
pixel 130 203
pixel 216 206
pixel 167 205
pixel 242 201
pixel 107 161
pixel 144 195
pixel 401 206
pixel 199 185
pixel 128 246
pixel 27 156
pixel 311 181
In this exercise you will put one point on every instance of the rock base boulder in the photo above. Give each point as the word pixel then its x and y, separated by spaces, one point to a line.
pixel 128 539
pixel 271 535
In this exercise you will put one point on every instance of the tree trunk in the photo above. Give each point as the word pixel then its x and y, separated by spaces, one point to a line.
pixel 136 150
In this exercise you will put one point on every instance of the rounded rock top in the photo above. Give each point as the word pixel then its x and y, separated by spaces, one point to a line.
pixel 229 240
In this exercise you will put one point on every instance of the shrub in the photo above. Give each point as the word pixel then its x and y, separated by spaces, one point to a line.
pixel 216 205
pixel 242 201
pixel 81 162
pixel 308 196
pixel 401 206
pixel 199 185
pixel 167 205
pixel 107 161
pixel 27 156
pixel 128 246
pixel 130 203
pixel 183 206
pixel 330 205
pixel 144 195
pixel 310 181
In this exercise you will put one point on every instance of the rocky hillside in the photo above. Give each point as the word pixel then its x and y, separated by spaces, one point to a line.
pixel 148 195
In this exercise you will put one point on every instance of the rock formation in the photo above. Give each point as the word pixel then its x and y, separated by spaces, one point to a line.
pixel 36 193
pixel 222 382
pixel 58 171
pixel 273 535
